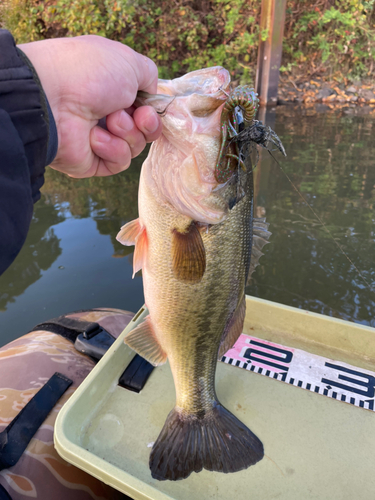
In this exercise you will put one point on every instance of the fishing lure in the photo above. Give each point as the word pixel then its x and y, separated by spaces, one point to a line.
pixel 238 114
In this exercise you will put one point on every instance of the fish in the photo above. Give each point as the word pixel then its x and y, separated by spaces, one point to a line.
pixel 193 242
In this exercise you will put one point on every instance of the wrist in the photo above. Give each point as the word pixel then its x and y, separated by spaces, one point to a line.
pixel 39 57
pixel 48 114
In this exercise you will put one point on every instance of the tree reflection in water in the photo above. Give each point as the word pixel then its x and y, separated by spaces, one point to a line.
pixel 40 250
pixel 331 161
pixel 110 201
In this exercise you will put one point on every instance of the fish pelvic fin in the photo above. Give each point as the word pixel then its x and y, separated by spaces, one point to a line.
pixel 188 255
pixel 133 233
pixel 233 329
pixel 218 441
pixel 144 342
pixel 261 235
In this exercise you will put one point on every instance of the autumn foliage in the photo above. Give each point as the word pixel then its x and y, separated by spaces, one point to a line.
pixel 321 36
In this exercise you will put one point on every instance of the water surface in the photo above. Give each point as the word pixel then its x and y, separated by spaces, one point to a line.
pixel 71 259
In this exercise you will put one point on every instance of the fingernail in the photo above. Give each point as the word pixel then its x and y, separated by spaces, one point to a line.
pixel 152 124
pixel 101 135
pixel 125 122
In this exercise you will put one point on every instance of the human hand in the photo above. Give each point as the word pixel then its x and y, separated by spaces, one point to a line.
pixel 88 78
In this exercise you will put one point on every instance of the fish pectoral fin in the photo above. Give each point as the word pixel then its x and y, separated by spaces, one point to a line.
pixel 128 233
pixel 261 236
pixel 144 342
pixel 188 255
pixel 133 233
pixel 140 251
pixel 233 329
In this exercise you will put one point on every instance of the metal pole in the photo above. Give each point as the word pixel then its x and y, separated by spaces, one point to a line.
pixel 267 115
pixel 272 21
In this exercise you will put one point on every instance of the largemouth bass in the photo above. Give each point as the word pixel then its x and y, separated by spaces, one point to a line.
pixel 193 242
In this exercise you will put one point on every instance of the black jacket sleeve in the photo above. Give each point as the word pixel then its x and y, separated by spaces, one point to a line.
pixel 26 146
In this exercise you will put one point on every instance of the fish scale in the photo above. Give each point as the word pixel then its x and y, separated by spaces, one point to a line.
pixel 192 323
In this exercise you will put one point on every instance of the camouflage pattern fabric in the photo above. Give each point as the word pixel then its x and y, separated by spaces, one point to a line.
pixel 25 365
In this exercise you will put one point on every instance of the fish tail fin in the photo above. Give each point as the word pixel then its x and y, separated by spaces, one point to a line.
pixel 216 442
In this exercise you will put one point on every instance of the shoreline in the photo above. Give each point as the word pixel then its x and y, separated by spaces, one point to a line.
pixel 331 93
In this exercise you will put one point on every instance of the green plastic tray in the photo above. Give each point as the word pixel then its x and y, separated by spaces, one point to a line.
pixel 315 447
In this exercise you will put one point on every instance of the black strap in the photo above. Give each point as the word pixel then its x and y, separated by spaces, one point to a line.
pixel 15 438
pixel 93 340
pixel 4 495
pixel 94 346
pixel 88 337
pixel 136 374
pixel 70 328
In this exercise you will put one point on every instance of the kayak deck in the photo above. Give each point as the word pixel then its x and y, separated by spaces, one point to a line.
pixel 315 447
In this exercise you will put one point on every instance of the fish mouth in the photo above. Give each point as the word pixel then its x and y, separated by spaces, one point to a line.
pixel 208 82
pixel 204 89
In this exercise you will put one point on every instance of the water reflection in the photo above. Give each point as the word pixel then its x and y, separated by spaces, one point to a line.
pixel 331 162
pixel 68 260
pixel 39 252
pixel 110 201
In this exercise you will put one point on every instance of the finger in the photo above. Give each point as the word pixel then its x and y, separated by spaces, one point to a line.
pixel 119 73
pixel 145 70
pixel 148 122
pixel 114 151
pixel 130 110
pixel 122 125
pixel 135 72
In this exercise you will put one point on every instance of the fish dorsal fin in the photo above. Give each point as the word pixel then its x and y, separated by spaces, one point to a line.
pixel 133 233
pixel 261 236
pixel 233 329
pixel 143 341
pixel 188 255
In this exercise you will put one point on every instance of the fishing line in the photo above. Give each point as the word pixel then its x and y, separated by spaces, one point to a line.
pixel 164 112
pixel 322 223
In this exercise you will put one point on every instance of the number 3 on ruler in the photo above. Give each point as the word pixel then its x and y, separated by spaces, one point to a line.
pixel 369 381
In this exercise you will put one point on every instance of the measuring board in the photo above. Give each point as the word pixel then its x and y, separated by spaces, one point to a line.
pixel 324 376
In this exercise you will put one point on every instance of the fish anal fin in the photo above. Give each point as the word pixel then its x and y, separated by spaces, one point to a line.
pixel 188 255
pixel 218 441
pixel 144 342
pixel 261 236
pixel 129 232
pixel 233 329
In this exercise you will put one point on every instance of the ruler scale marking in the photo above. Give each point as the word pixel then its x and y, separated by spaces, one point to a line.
pixel 327 377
